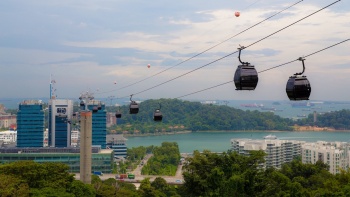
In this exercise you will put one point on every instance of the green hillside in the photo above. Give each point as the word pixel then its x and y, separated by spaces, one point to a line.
pixel 195 116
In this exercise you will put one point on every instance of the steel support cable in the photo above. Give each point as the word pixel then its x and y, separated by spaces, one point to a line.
pixel 235 51
pixel 206 50
pixel 265 69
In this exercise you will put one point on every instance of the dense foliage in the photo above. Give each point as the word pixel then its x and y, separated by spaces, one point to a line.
pixel 195 116
pixel 28 178
pixel 230 174
pixel 339 120
pixel 164 161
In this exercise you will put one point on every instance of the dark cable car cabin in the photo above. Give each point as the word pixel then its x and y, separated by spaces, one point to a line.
pixel 118 114
pixel 95 109
pixel 134 107
pixel 157 115
pixel 82 105
pixel 99 106
pixel 246 77
pixel 298 87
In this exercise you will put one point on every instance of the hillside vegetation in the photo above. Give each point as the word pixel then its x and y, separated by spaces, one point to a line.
pixel 194 116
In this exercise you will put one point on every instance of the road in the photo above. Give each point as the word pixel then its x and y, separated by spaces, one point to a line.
pixel 177 179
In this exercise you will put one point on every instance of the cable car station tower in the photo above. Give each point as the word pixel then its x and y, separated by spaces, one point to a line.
pixel 85 138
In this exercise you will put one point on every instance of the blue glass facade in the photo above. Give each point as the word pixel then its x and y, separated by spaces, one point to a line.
pixel 30 125
pixel 99 128
pixel 61 132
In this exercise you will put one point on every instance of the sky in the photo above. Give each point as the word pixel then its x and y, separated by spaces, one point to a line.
pixel 104 47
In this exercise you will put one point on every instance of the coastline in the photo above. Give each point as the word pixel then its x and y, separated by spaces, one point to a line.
pixel 297 129
pixel 157 134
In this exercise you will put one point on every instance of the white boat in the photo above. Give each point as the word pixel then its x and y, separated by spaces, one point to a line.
pixel 270 137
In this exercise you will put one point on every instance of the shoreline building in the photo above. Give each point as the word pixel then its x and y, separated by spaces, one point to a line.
pixel 117 142
pixel 30 124
pixel 334 154
pixel 60 115
pixel 277 151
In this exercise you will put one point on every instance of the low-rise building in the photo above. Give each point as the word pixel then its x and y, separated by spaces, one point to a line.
pixel 102 159
pixel 8 137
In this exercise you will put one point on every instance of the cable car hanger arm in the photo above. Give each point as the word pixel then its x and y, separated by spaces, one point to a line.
pixel 302 60
pixel 239 55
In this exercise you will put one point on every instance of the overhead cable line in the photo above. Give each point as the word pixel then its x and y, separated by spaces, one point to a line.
pixel 215 86
pixel 235 51
pixel 206 50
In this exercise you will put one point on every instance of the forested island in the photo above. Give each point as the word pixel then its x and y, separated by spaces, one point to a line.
pixel 181 115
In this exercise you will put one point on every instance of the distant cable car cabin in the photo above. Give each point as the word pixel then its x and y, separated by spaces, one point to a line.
pixel 99 106
pixel 246 77
pixel 134 107
pixel 157 115
pixel 118 114
pixel 94 109
pixel 298 87
pixel 82 105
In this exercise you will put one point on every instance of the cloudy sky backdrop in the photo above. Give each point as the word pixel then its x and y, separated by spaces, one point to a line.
pixel 88 45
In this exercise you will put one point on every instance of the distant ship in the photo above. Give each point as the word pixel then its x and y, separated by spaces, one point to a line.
pixel 268 108
pixel 252 105
pixel 270 137
pixel 301 116
pixel 301 104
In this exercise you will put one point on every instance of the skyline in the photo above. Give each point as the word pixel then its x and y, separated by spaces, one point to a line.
pixel 88 46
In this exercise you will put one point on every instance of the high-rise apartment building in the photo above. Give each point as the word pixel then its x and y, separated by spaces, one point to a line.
pixel 60 115
pixel 277 151
pixel 30 124
pixel 99 118
pixel 335 154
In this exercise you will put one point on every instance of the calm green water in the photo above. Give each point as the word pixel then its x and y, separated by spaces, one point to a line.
pixel 220 141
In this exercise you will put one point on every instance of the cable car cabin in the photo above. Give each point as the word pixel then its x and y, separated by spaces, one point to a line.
pixel 95 109
pixel 157 115
pixel 82 105
pixel 118 114
pixel 246 77
pixel 298 88
pixel 134 107
pixel 99 107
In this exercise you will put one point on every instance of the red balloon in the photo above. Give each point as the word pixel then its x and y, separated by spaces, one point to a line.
pixel 148 65
pixel 237 14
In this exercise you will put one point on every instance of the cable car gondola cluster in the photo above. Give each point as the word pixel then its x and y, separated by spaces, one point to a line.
pixel 134 109
pixel 246 78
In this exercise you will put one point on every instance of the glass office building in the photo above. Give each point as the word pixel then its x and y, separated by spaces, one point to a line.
pixel 99 122
pixel 30 124
pixel 60 115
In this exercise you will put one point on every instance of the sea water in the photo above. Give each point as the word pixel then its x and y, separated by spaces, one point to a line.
pixel 221 141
